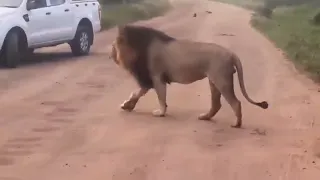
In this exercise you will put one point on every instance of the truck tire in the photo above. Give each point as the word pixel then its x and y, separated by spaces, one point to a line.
pixel 29 51
pixel 28 54
pixel 11 52
pixel 80 45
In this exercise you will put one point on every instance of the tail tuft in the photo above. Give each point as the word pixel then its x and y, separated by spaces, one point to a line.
pixel 263 104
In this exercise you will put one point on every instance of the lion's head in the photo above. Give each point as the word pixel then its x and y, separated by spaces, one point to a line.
pixel 131 50
pixel 121 53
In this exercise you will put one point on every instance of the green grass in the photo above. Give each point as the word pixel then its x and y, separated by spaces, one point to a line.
pixel 127 13
pixel 249 4
pixel 292 29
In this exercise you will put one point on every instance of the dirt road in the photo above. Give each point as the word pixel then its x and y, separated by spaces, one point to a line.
pixel 60 116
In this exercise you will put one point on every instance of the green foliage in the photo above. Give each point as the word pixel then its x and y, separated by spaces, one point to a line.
pixel 316 19
pixel 291 30
pixel 294 26
pixel 250 4
pixel 265 7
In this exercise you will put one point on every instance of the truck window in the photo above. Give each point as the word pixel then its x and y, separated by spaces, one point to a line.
pixel 10 3
pixel 56 2
pixel 39 3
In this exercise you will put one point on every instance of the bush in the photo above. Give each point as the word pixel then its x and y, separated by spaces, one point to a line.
pixel 316 19
pixel 264 11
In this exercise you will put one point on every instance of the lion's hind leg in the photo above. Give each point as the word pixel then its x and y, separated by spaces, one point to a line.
pixel 225 85
pixel 215 103
pixel 161 90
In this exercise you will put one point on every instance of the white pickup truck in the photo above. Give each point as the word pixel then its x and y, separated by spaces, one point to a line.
pixel 29 24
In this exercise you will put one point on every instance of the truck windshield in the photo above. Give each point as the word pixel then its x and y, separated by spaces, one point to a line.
pixel 10 3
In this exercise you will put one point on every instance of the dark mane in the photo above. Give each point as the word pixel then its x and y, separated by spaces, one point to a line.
pixel 139 38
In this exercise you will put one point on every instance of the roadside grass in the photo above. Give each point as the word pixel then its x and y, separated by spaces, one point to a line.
pixel 294 31
pixel 127 13
pixel 293 25
pixel 248 4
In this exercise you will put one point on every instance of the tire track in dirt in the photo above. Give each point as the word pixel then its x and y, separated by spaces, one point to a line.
pixel 59 114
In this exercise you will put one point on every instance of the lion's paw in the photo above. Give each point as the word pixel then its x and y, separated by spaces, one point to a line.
pixel 128 105
pixel 204 116
pixel 158 113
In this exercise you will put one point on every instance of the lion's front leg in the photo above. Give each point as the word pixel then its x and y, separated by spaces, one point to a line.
pixel 130 104
pixel 161 91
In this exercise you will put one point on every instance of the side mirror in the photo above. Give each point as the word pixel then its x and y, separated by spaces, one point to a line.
pixel 31 4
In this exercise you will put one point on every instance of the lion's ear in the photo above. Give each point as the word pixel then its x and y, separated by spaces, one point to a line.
pixel 121 33
pixel 121 29
pixel 120 39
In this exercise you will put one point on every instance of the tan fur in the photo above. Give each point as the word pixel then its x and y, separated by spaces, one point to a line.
pixel 180 61
pixel 121 54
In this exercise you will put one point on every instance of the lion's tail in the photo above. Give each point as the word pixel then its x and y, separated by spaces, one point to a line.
pixel 238 65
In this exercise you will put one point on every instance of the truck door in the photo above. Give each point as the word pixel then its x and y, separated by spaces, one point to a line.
pixel 62 17
pixel 39 23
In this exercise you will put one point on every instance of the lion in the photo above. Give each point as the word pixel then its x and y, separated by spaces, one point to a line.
pixel 156 59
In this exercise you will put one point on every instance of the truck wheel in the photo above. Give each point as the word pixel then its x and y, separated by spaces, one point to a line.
pixel 11 53
pixel 27 54
pixel 29 51
pixel 1 58
pixel 80 45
